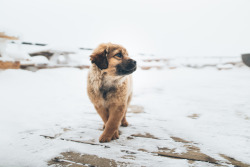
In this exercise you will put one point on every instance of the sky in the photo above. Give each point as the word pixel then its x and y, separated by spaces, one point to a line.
pixel 170 28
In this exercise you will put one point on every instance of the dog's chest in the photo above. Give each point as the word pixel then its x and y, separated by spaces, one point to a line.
pixel 107 91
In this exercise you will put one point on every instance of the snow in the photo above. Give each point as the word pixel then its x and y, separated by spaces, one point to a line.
pixel 49 101
pixel 40 60
pixel 14 52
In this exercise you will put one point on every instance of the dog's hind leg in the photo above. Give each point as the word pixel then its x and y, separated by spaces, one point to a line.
pixel 124 122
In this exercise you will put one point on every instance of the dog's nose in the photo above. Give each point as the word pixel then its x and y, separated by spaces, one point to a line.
pixel 132 61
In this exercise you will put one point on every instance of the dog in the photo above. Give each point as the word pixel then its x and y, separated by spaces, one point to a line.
pixel 109 86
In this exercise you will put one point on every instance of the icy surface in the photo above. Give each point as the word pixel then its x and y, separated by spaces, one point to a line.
pixel 206 106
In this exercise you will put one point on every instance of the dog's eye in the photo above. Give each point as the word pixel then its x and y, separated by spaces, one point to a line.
pixel 118 55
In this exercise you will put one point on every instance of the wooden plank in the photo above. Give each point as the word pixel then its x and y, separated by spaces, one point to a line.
pixel 3 35
pixel 77 141
pixel 9 65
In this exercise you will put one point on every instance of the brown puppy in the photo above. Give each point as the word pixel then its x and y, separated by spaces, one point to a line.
pixel 110 86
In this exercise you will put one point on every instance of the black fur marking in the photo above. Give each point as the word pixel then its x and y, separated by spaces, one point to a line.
pixel 106 90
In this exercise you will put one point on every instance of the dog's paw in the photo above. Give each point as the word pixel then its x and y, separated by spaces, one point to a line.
pixel 104 138
pixel 116 135
pixel 124 123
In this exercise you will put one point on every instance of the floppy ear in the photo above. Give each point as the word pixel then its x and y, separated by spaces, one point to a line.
pixel 99 57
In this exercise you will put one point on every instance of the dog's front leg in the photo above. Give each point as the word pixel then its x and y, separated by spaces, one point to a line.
pixel 116 114
pixel 102 111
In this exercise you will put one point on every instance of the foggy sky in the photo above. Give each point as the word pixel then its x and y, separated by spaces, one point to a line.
pixel 168 28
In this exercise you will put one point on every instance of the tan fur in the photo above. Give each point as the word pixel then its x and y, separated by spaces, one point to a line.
pixel 110 93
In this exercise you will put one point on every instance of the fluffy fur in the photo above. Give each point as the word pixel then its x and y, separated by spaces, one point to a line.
pixel 110 87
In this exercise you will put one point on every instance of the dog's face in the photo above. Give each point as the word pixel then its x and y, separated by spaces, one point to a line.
pixel 113 60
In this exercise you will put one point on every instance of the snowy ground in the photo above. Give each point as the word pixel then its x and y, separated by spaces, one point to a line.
pixel 172 111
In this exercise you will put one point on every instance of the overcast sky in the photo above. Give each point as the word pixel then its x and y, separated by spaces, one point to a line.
pixel 162 27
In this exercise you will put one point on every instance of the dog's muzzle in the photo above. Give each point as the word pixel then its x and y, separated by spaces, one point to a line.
pixel 126 67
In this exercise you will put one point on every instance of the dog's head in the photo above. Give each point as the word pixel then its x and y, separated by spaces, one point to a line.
pixel 113 59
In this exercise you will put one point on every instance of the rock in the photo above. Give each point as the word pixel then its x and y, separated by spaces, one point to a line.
pixel 246 59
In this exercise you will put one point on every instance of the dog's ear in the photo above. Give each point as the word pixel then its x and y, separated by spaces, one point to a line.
pixel 99 57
